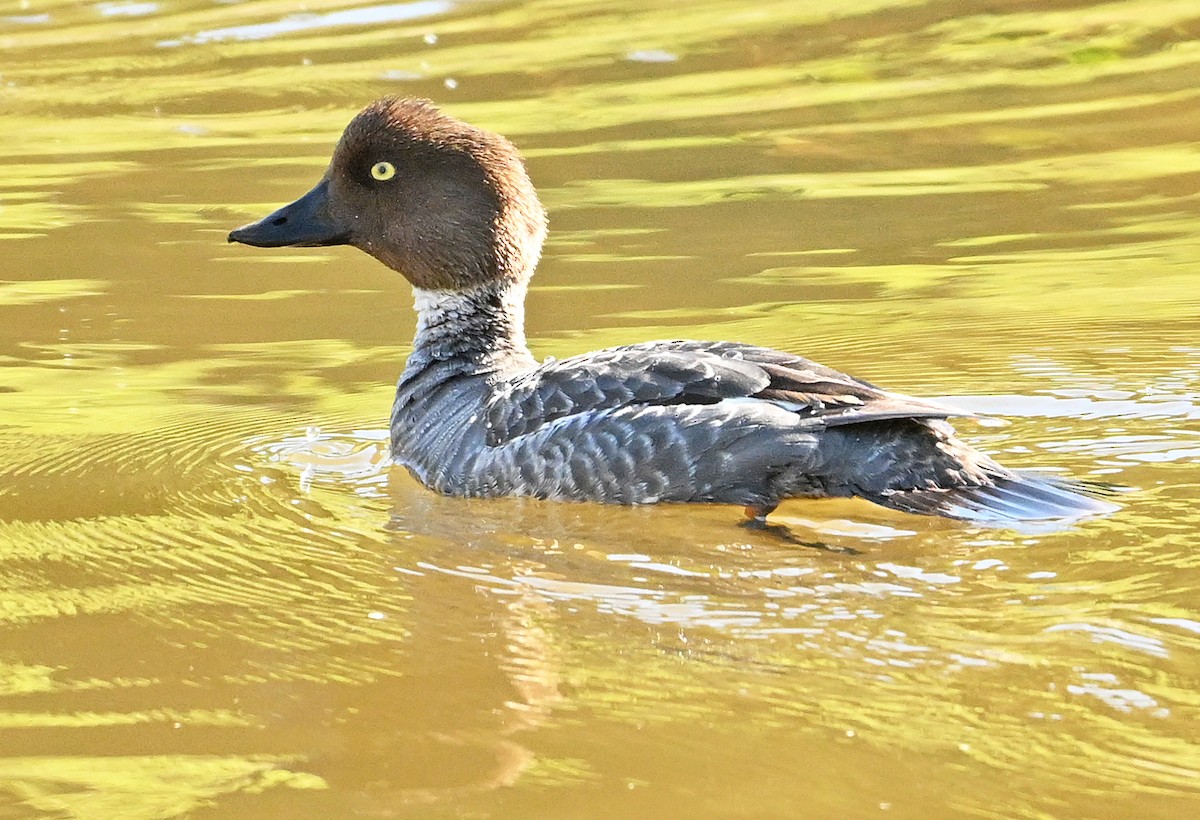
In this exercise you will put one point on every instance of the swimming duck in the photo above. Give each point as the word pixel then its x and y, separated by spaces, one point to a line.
pixel 451 207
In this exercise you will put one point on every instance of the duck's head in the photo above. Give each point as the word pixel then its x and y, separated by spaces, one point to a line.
pixel 447 204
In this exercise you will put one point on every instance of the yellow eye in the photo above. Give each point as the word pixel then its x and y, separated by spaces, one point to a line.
pixel 383 171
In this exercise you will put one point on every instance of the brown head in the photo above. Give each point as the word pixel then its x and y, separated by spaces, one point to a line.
pixel 447 204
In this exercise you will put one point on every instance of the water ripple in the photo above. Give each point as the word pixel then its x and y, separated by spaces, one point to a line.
pixel 365 16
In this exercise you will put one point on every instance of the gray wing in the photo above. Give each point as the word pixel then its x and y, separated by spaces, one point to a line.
pixel 691 373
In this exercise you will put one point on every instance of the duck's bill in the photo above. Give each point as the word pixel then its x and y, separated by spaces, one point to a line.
pixel 305 223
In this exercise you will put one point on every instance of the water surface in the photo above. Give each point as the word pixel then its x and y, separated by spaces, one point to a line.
pixel 219 601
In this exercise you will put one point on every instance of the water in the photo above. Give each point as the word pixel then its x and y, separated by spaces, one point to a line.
pixel 218 600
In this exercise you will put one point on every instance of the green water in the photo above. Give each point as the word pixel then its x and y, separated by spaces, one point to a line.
pixel 218 601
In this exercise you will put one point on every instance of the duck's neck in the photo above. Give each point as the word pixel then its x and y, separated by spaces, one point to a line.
pixel 483 328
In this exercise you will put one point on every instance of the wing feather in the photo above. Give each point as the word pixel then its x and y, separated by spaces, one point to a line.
pixel 688 372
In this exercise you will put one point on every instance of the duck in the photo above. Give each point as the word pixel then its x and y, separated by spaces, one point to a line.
pixel 451 207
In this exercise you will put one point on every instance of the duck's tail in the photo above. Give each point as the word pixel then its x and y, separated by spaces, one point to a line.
pixel 1013 496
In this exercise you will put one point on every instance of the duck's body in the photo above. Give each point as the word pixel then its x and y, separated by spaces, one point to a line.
pixel 672 421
